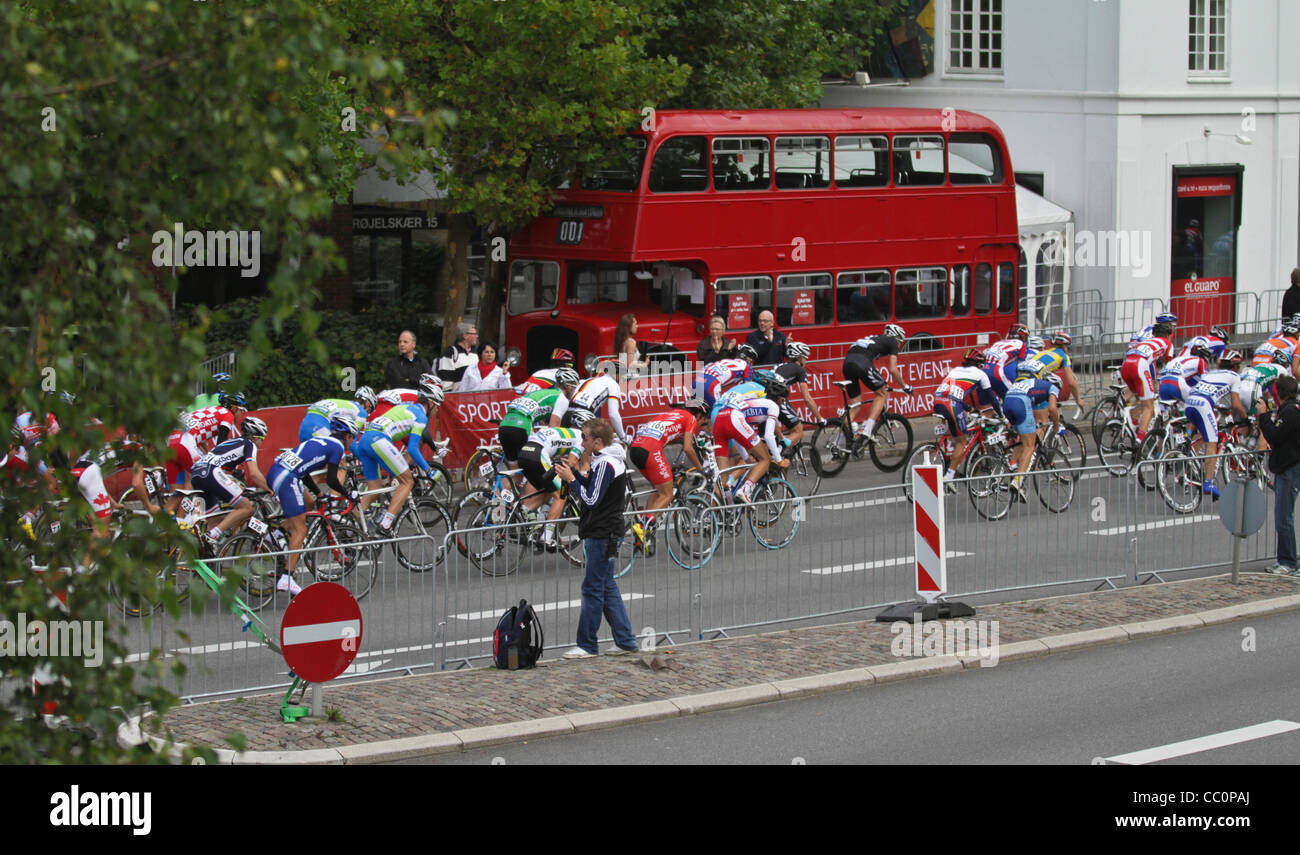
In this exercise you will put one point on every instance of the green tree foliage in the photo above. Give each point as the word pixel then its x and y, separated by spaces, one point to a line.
pixel 118 119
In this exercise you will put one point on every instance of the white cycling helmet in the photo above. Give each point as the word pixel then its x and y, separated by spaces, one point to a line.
pixel 431 390
pixel 895 331
pixel 796 350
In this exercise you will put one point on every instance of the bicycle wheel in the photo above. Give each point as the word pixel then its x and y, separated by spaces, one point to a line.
pixel 566 537
pixel 480 470
pixel 437 485
pixel 1116 448
pixel 486 538
pixel 893 443
pixel 694 531
pixel 1105 410
pixel 1071 450
pixel 831 447
pixel 775 513
pixel 801 472
pixel 925 454
pixel 351 564
pixel 1055 489
pixel 1181 478
pixel 256 571
pixel 427 519
pixel 990 486
pixel 464 511
pixel 1149 452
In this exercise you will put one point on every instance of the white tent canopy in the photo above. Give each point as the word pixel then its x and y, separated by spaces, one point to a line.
pixel 1036 214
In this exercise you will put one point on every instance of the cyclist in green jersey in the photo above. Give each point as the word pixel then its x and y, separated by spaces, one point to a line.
pixel 536 458
pixel 540 408
pixel 1258 393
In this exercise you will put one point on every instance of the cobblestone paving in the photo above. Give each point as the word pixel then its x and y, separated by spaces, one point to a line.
pixel 409 706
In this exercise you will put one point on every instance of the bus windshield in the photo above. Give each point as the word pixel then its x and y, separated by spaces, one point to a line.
pixel 621 171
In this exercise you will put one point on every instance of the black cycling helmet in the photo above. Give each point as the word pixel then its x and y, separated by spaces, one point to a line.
pixel 972 357
pixel 747 352
pixel 1203 352
pixel 1231 360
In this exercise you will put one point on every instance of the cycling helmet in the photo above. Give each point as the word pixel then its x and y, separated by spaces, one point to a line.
pixel 577 418
pixel 972 356
pixel 1036 342
pixel 428 378
pixel 345 423
pixel 430 391
pixel 563 356
pixel 1231 359
pixel 233 399
pixel 1291 329
pixel 221 379
pixel 1202 351
pixel 365 396
pixel 747 352
pixel 1162 330
pixel 1167 318
pixel 1019 331
pixel 895 331
pixel 774 386
pixel 1061 337
pixel 566 377
pixel 1056 380
pixel 1219 333
pixel 68 397
pixel 797 350
pixel 1281 357
pixel 253 428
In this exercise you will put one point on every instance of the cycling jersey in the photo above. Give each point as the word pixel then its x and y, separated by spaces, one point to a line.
pixel 1258 386
pixel 32 432
pixel 535 409
pixel 1179 375
pixel 390 398
pixel 1211 392
pixel 735 423
pixel 319 415
pixel 385 434
pixel 876 346
pixel 1142 335
pixel 718 377
pixel 291 466
pixel 208 425
pixel 226 455
pixel 544 379
pixel 1151 348
pixel 966 384
pixel 1139 368
pixel 1282 344
pixel 1025 396
pixel 736 394
pixel 554 442
pixel 1043 363
pixel 1213 343
pixel 591 395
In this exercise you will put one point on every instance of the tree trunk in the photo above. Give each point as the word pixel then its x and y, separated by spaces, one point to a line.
pixel 459 231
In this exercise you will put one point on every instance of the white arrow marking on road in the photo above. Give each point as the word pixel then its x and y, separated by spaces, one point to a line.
pixel 224 647
pixel 365 667
pixel 546 607
pixel 313 632
pixel 1205 743
pixel 1126 529
pixel 867 503
pixel 873 565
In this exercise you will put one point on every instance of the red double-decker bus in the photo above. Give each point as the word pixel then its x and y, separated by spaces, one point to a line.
pixel 838 221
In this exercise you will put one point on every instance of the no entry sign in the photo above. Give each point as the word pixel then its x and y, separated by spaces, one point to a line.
pixel 321 632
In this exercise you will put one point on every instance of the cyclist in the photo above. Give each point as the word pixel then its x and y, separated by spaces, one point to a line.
pixel 536 458
pixel 599 390
pixel 379 444
pixel 1294 321
pixel 211 474
pixel 431 389
pixel 1258 392
pixel 859 367
pixel 647 455
pixel 200 431
pixel 736 422
pixel 319 415
pixel 1023 398
pixel 1216 341
pixel 1169 319
pixel 538 408
pixel 1002 358
pixel 966 388
pixel 717 377
pixel 1285 343
pixel 1139 372
pixel 1212 392
pixel 1034 345
pixel 796 378
pixel 546 378
pixel 1181 373
pixel 1053 360
pixel 292 470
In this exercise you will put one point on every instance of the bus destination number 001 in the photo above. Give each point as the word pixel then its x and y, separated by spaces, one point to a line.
pixel 570 232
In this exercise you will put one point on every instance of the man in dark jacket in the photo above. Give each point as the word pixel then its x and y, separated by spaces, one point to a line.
pixel 600 492
pixel 403 370
pixel 768 341
pixel 1291 299
pixel 1282 430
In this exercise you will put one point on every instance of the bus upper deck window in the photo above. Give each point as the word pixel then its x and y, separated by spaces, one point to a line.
pixel 681 165
pixel 741 163
pixel 974 159
pixel 861 161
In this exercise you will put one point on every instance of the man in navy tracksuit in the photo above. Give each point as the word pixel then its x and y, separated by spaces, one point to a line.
pixel 600 492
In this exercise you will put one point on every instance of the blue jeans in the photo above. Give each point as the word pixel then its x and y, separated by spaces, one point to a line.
pixel 600 595
pixel 1288 486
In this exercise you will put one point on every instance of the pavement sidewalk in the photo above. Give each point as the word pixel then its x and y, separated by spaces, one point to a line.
pixel 428 714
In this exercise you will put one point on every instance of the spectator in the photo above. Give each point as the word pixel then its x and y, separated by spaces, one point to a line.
pixel 601 491
pixel 1291 299
pixel 768 342
pixel 485 374
pixel 717 346
pixel 625 349
pixel 458 357
pixel 1282 430
pixel 403 371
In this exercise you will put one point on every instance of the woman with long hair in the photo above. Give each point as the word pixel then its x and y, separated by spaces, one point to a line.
pixel 625 343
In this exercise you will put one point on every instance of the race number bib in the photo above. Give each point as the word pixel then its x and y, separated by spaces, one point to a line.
pixel 257 525
pixel 288 460
pixel 485 468
pixel 525 406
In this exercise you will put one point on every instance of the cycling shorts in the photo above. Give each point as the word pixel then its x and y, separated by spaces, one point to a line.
pixel 219 486
pixel 1019 411
pixel 730 425
pixel 649 458
pixel 788 418
pixel 1201 413
pixel 1173 389
pixel 313 425
pixel 540 475
pixel 185 452
pixel 90 481
pixel 288 490
pixel 1139 374
pixel 857 370
pixel 512 439
pixel 377 450
pixel 954 414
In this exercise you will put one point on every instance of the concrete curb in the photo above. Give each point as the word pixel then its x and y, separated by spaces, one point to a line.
pixel 130 734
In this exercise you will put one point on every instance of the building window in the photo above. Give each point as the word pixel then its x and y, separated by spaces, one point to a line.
pixel 1207 36
pixel 975 36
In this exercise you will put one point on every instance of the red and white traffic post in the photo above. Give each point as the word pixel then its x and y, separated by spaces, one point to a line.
pixel 931 564
pixel 320 636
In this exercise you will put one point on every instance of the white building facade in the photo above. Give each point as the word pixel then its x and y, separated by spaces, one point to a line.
pixel 1170 129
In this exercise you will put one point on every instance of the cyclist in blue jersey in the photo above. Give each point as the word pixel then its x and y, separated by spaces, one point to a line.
pixel 292 470
pixel 399 428
pixel 1023 397
pixel 211 474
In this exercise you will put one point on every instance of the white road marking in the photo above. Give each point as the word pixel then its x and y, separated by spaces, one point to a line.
pixel 1205 743
pixel 366 667
pixel 1127 529
pixel 873 565
pixel 868 503
pixel 545 607
pixel 224 647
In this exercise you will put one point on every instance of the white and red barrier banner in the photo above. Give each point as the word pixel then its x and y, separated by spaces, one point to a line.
pixel 927 515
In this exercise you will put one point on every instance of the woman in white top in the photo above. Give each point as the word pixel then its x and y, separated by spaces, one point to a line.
pixel 485 374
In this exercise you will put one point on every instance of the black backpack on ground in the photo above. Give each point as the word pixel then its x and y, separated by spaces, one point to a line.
pixel 518 641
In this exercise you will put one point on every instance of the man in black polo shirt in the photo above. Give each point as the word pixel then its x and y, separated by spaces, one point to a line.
pixel 1282 430
pixel 403 370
